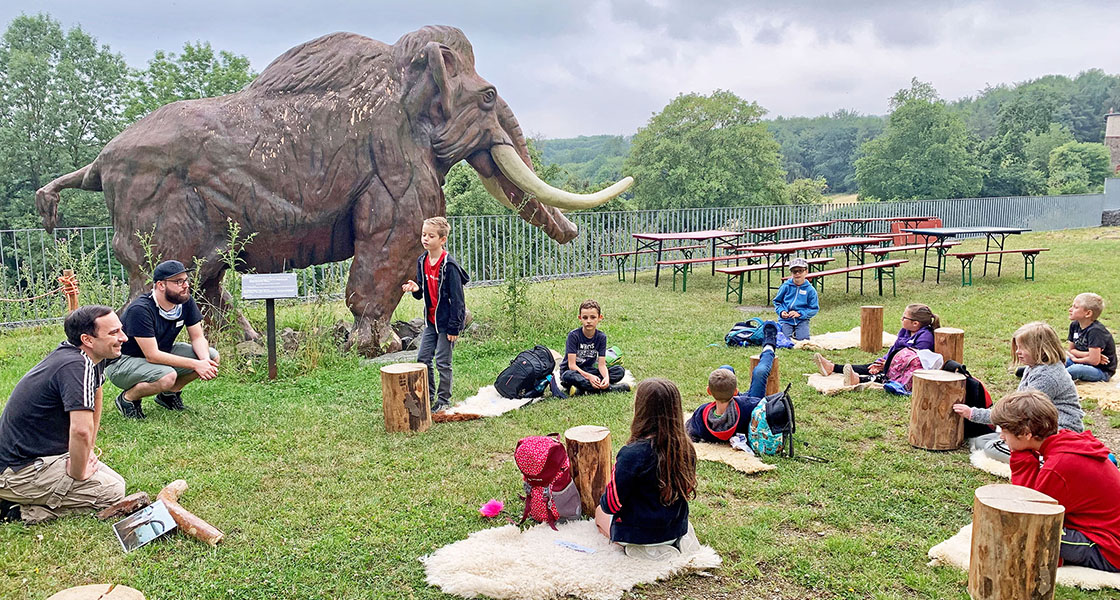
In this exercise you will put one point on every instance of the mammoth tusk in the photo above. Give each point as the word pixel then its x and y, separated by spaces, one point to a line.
pixel 523 177
pixel 495 188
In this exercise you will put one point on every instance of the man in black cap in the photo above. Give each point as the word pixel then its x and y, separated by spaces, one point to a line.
pixel 152 362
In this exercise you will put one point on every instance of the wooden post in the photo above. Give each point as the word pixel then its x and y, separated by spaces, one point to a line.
pixel 871 328
pixel 773 384
pixel 99 591
pixel 71 293
pixel 933 424
pixel 404 397
pixel 589 453
pixel 949 343
pixel 1016 534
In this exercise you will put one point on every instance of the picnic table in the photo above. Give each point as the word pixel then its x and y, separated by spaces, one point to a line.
pixel 770 234
pixel 778 253
pixel 859 225
pixel 656 242
pixel 935 236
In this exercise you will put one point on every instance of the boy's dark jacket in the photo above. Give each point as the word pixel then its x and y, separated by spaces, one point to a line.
pixel 451 308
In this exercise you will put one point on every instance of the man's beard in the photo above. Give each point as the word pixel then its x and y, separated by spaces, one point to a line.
pixel 177 297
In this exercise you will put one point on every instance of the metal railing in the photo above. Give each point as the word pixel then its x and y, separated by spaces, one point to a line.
pixel 489 247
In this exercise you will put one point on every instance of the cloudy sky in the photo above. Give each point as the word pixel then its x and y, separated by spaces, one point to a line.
pixel 586 67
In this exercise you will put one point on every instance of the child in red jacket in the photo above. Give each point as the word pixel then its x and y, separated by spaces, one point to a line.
pixel 1074 470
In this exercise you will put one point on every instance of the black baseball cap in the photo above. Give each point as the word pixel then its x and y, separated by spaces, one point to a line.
pixel 168 269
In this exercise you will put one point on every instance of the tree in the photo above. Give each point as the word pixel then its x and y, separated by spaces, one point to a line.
pixel 1078 168
pixel 196 73
pixel 925 152
pixel 61 100
pixel 706 151
pixel 807 191
pixel 824 146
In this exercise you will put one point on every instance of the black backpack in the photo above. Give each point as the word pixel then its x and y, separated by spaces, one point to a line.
pixel 772 425
pixel 528 375
pixel 975 395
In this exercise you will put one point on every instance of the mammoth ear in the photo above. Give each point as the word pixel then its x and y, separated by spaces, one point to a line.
pixel 442 64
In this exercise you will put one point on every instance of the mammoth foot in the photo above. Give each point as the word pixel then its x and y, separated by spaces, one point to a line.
pixel 372 338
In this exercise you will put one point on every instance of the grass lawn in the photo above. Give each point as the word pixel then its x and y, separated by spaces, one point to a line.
pixel 318 501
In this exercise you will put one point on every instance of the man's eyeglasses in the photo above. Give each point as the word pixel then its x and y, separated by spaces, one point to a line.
pixel 179 282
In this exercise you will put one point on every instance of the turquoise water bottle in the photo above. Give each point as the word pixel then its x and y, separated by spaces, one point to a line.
pixel 1112 457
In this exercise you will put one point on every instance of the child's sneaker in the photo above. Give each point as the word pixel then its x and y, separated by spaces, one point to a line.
pixel 770 334
pixel 440 406
pixel 129 410
pixel 170 400
pixel 824 366
pixel 850 376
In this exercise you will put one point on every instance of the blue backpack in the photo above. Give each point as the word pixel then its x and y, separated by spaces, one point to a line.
pixel 745 333
pixel 772 425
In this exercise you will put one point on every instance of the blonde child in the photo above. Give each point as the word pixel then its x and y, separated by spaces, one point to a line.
pixel 1037 347
pixel 645 505
pixel 1092 351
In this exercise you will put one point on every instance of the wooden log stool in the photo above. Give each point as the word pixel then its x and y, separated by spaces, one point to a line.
pixel 871 328
pixel 99 591
pixel 589 453
pixel 949 343
pixel 773 385
pixel 933 424
pixel 404 397
pixel 1016 536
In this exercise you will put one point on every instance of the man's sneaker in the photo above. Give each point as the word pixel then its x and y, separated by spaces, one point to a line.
pixel 130 410
pixel 170 400
pixel 9 512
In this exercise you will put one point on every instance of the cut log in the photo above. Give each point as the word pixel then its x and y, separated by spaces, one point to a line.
pixel 589 453
pixel 933 424
pixel 1016 535
pixel 773 385
pixel 949 343
pixel 127 506
pixel 99 591
pixel 187 521
pixel 871 328
pixel 404 397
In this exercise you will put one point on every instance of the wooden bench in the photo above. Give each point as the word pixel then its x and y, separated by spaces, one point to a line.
pixel 883 269
pixel 739 270
pixel 1029 254
pixel 684 265
pixel 621 257
pixel 885 251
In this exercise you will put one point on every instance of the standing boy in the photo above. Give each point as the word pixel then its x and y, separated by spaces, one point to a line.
pixel 444 307
pixel 730 412
pixel 1092 351
pixel 1074 470
pixel 585 364
pixel 796 301
pixel 152 362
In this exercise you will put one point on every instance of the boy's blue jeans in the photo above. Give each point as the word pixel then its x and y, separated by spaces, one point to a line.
pixel 796 332
pixel 1080 372
pixel 437 345
pixel 761 373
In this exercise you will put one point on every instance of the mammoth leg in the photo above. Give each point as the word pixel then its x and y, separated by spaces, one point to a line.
pixel 217 304
pixel 386 244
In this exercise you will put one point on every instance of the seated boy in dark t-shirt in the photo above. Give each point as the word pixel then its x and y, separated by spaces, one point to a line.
pixel 584 366
pixel 1092 351
pixel 730 412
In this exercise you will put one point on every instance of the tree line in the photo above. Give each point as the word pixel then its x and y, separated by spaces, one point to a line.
pixel 63 97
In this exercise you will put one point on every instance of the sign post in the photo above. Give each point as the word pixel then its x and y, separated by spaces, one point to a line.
pixel 269 287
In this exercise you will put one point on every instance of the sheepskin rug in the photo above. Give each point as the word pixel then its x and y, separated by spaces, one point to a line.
pixel 834 384
pixel 737 459
pixel 989 465
pixel 838 340
pixel 489 403
pixel 539 563
pixel 955 551
pixel 1106 393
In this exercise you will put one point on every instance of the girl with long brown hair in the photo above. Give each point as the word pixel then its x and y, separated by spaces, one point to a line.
pixel 645 505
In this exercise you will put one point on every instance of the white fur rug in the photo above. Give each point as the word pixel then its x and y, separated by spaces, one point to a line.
pixel 834 384
pixel 1106 393
pixel 955 551
pixel 989 465
pixel 539 563
pixel 838 340
pixel 737 459
pixel 489 403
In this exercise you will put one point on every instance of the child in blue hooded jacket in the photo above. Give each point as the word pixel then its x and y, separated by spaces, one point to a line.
pixel 796 301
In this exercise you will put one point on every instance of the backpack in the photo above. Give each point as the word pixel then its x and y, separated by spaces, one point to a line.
pixel 902 367
pixel 772 425
pixel 745 333
pixel 528 375
pixel 550 492
pixel 975 395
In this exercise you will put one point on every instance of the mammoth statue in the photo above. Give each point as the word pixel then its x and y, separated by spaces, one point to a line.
pixel 338 149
